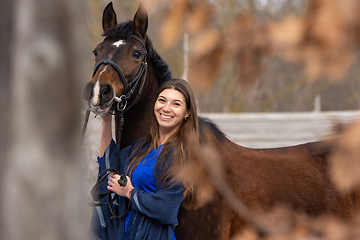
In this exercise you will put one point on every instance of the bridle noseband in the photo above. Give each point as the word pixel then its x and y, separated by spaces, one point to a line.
pixel 121 108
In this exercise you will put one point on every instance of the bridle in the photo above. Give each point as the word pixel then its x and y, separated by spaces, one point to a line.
pixel 130 87
pixel 121 107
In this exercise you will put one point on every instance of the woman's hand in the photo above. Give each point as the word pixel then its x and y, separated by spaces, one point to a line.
pixel 114 186
pixel 106 118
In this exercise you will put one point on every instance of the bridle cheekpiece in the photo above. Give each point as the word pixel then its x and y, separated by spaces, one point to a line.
pixel 130 87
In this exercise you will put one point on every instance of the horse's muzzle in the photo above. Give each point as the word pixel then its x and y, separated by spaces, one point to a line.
pixel 99 97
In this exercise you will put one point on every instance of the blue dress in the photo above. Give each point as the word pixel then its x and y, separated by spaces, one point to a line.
pixel 146 220
pixel 143 178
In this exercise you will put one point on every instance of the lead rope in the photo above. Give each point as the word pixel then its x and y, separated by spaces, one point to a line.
pixel 96 196
pixel 120 114
pixel 121 109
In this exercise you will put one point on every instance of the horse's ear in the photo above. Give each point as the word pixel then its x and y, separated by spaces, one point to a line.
pixel 109 17
pixel 141 20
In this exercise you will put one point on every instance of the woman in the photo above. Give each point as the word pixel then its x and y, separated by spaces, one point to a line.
pixel 151 165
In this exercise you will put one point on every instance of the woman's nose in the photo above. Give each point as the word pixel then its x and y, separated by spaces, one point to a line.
pixel 167 107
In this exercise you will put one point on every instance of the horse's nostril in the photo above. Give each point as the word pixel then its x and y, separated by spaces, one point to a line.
pixel 88 91
pixel 107 92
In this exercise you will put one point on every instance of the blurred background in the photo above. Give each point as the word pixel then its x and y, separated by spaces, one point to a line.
pixel 268 72
pixel 279 85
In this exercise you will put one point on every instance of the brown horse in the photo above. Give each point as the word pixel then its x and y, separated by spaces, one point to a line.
pixel 297 177
pixel 123 45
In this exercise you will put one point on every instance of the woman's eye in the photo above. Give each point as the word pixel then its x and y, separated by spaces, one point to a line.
pixel 137 54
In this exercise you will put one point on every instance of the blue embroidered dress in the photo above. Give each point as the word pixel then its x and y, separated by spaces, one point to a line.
pixel 143 178
pixel 154 209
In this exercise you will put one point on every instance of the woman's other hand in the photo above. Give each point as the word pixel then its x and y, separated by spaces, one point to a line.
pixel 113 185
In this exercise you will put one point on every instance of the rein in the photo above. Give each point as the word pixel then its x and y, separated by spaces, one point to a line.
pixel 121 108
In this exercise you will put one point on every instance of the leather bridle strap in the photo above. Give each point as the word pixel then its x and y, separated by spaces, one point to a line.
pixel 120 110
pixel 98 196
pixel 120 73
pixel 116 68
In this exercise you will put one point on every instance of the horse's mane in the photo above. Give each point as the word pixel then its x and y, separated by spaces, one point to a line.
pixel 205 124
pixel 125 30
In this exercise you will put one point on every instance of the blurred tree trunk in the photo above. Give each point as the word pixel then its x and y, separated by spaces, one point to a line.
pixel 6 7
pixel 41 190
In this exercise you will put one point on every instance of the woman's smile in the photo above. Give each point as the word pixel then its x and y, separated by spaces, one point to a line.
pixel 166 117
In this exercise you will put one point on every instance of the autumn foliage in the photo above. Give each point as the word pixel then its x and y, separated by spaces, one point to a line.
pixel 324 40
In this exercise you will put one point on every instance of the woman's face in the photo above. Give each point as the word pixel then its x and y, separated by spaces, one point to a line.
pixel 170 110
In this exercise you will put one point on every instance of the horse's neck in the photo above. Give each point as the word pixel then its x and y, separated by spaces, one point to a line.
pixel 137 120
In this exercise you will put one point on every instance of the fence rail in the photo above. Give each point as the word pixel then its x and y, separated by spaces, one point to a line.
pixel 266 130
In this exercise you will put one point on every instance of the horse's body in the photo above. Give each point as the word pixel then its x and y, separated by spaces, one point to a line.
pixel 296 177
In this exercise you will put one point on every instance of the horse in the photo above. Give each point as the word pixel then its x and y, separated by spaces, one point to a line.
pixel 297 176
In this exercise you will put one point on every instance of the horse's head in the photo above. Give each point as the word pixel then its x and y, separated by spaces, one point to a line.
pixel 120 60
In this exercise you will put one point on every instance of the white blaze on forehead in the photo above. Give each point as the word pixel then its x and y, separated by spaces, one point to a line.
pixel 118 43
pixel 96 93
pixel 103 71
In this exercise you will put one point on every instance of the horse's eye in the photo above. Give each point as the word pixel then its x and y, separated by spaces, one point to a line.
pixel 95 52
pixel 137 54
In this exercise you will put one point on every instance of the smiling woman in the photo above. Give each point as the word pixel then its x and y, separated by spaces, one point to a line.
pixel 151 165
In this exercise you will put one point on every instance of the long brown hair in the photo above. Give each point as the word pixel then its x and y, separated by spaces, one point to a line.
pixel 182 144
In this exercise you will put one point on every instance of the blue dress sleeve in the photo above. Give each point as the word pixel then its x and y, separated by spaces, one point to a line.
pixel 162 205
pixel 109 158
pixel 102 225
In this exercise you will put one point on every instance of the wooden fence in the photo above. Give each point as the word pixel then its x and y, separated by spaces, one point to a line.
pixel 267 130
